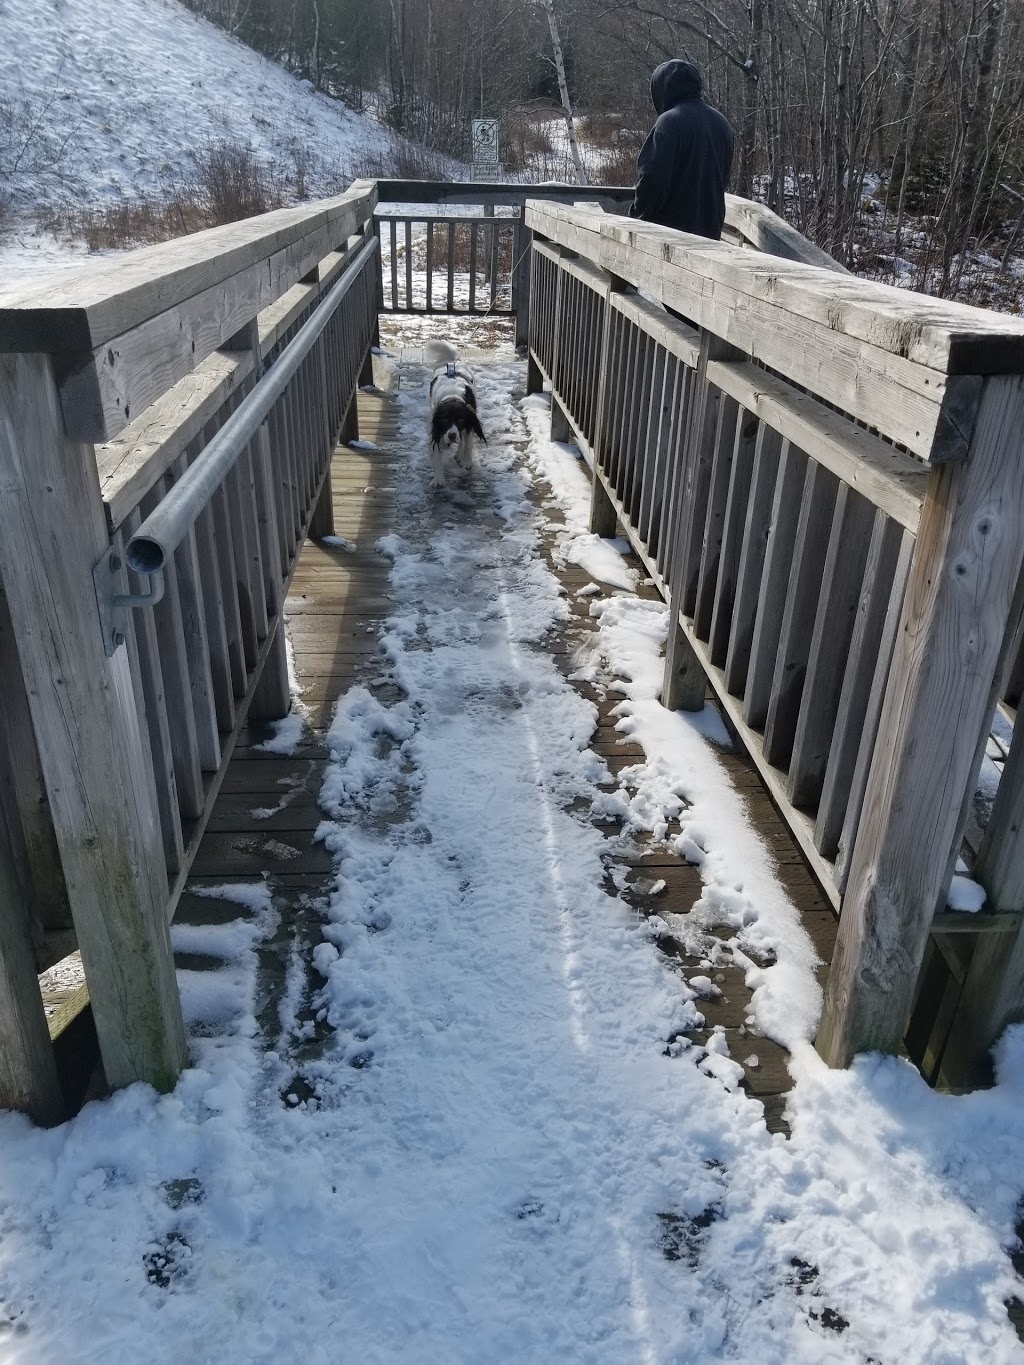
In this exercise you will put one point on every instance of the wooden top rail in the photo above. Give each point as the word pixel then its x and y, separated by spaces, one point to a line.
pixel 767 232
pixel 123 332
pixel 141 454
pixel 488 192
pixel 905 365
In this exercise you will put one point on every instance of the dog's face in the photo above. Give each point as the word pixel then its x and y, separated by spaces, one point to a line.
pixel 452 419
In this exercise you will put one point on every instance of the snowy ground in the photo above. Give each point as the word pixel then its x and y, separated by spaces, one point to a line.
pixel 504 1157
pixel 110 99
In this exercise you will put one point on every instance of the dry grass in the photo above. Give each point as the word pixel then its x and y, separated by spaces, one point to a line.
pixel 525 140
pixel 403 161
pixel 618 165
pixel 229 183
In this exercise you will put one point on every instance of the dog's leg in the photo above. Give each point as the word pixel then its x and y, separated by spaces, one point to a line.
pixel 464 454
pixel 437 460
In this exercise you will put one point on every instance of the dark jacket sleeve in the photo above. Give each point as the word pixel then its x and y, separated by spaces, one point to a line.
pixel 654 167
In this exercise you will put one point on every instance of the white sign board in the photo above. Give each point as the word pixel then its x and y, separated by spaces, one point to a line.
pixel 485 140
pixel 486 171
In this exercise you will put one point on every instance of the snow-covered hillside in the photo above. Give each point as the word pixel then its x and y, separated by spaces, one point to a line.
pixel 107 100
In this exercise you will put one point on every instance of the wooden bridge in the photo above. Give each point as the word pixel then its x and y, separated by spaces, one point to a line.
pixel 823 477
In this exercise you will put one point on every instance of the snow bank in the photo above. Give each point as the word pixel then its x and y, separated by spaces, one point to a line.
pixel 121 93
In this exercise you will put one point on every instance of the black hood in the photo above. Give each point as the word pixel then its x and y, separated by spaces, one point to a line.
pixel 674 82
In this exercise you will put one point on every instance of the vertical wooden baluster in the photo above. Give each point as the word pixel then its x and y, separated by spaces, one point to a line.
pixel 254 550
pixel 767 509
pixel 703 433
pixel 612 394
pixel 661 472
pixel 736 510
pixel 322 522
pixel 492 259
pixel 869 733
pixel 648 449
pixel 722 462
pixel 147 669
pixel 684 678
pixel 393 228
pixel 216 629
pixel 309 443
pixel 174 672
pixel 26 799
pixel 880 583
pixel 451 265
pixel 409 301
pixel 28 1070
pixel 430 265
pixel 472 265
pixel 220 530
pixel 790 470
pixel 281 465
pixel 626 407
pixel 191 591
pixel 674 452
pixel 821 488
pixel 242 569
pixel 229 585
pixel 291 399
pixel 841 586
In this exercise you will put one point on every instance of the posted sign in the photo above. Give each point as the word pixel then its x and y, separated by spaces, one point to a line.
pixel 485 141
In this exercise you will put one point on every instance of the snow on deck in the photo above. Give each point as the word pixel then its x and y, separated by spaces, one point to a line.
pixel 448 1113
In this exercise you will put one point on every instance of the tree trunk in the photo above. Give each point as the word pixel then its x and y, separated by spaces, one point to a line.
pixel 563 90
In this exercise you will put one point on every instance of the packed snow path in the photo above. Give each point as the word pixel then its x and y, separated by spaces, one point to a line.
pixel 451 1112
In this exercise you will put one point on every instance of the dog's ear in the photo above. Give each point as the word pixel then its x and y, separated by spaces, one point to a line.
pixel 470 396
pixel 438 427
pixel 474 423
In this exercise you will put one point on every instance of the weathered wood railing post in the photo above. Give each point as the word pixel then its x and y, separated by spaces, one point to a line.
pixel 92 747
pixel 28 1071
pixel 23 799
pixel 685 682
pixel 932 730
pixel 272 697
pixel 603 519
pixel 522 249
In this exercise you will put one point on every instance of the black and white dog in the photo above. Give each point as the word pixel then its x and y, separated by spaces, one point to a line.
pixel 453 419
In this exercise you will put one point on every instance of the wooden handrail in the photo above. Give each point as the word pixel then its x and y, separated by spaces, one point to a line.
pixel 134 713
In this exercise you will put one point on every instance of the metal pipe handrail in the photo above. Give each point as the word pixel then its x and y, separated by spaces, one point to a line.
pixel 165 528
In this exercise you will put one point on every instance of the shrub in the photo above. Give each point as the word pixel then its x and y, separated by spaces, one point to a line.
pixel 233 183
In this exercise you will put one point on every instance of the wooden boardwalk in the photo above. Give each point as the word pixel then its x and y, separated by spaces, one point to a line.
pixel 263 824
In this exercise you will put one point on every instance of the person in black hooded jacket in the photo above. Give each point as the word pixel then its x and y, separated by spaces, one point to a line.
pixel 684 165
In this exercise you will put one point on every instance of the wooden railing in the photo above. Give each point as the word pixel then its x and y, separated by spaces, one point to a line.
pixel 479 265
pixel 825 478
pixel 447 265
pixel 203 385
pixel 464 264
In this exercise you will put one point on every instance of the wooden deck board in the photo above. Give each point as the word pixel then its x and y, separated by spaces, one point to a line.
pixel 263 823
